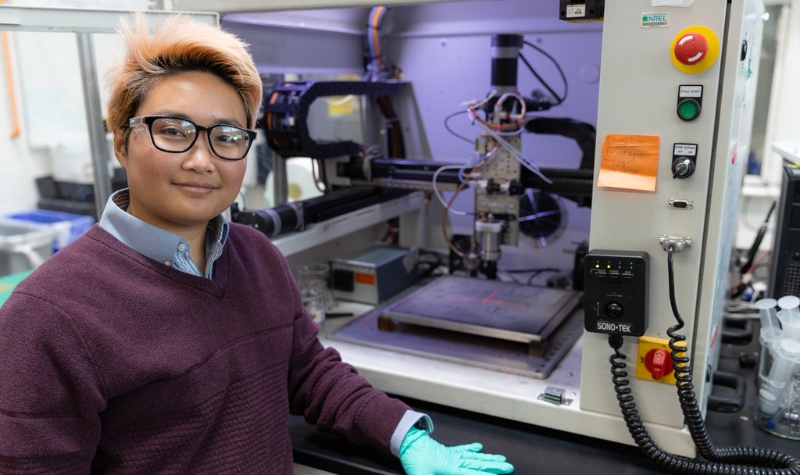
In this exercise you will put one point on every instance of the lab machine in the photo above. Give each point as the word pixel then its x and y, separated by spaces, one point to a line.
pixel 627 350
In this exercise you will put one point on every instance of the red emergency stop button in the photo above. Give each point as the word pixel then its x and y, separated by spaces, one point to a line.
pixel 658 362
pixel 694 49
pixel 691 48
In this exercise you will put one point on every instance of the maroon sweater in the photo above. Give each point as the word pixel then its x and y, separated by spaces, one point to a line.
pixel 113 363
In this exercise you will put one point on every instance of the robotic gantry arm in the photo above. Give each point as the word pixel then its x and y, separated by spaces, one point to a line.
pixel 498 178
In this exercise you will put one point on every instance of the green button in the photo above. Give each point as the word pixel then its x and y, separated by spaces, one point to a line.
pixel 688 110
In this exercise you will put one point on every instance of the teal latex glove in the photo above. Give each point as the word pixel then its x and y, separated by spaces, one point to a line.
pixel 421 455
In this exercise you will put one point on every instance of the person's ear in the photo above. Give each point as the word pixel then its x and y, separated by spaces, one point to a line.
pixel 121 148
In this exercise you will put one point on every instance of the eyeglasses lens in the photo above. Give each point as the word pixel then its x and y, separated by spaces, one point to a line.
pixel 228 141
pixel 177 135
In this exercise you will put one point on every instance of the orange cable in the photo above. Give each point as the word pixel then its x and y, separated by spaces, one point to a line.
pixel 272 99
pixel 11 95
pixel 376 37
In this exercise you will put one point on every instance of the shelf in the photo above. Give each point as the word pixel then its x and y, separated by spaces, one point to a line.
pixel 273 5
pixel 77 20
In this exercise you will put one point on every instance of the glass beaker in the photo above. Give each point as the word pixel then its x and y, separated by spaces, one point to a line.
pixel 778 410
pixel 317 273
pixel 314 296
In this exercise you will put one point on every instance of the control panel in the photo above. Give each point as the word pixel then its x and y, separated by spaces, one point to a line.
pixel 694 91
pixel 616 292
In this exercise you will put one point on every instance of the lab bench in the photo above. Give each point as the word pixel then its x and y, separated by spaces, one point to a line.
pixel 537 450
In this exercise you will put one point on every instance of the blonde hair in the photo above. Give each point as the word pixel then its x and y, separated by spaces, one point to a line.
pixel 178 44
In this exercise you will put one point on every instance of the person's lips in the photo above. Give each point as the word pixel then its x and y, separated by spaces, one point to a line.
pixel 194 187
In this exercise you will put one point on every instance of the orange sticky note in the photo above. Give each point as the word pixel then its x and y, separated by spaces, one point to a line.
pixel 629 162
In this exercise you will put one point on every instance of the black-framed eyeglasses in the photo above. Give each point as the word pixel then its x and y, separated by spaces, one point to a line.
pixel 177 135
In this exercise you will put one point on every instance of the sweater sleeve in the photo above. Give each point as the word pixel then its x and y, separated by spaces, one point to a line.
pixel 331 394
pixel 50 394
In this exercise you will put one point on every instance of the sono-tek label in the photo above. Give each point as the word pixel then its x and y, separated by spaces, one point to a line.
pixel 614 327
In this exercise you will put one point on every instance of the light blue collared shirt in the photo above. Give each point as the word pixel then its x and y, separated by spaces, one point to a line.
pixel 159 244
pixel 173 251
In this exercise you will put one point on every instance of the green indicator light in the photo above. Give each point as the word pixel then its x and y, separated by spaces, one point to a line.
pixel 608 266
pixel 597 266
pixel 688 110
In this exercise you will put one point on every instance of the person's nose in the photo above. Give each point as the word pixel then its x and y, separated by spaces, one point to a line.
pixel 200 157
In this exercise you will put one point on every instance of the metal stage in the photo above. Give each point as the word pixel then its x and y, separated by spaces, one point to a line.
pixel 493 325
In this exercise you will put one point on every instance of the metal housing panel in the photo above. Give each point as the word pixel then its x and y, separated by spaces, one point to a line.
pixel 638 95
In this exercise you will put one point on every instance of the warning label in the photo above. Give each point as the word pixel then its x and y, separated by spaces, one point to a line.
pixel 576 11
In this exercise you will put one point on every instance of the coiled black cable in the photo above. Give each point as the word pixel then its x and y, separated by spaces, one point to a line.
pixel 721 461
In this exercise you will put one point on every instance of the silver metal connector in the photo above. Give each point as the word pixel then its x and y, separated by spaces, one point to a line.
pixel 680 243
pixel 680 204
pixel 555 395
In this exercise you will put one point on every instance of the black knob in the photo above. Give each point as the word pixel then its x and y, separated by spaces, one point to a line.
pixel 682 167
pixel 614 310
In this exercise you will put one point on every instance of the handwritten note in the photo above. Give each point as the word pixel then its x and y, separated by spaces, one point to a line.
pixel 629 162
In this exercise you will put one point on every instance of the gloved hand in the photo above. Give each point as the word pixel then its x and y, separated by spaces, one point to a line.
pixel 421 455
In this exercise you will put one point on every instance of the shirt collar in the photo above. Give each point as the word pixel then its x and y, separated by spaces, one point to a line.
pixel 151 241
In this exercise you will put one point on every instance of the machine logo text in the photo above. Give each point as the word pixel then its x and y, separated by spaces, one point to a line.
pixel 655 20
pixel 614 327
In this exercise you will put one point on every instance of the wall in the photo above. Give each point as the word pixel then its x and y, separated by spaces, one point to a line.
pixel 48 94
pixel 778 122
pixel 784 108
pixel 19 163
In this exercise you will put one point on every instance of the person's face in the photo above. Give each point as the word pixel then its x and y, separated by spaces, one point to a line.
pixel 181 192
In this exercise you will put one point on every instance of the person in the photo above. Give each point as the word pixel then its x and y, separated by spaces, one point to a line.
pixel 166 339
